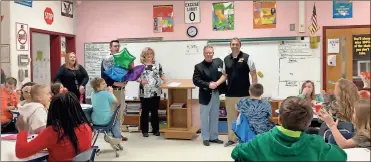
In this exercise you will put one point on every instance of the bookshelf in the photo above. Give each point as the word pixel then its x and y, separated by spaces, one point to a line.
pixel 223 123
pixel 133 109
pixel 179 108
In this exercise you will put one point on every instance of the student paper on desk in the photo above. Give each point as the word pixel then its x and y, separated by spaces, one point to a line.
pixel 173 84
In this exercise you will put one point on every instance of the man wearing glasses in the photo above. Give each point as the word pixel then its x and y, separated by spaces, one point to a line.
pixel 118 87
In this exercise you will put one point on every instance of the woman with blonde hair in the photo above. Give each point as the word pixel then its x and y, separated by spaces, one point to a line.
pixel 150 90
pixel 73 76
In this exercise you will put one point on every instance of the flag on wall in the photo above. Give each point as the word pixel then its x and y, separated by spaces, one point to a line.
pixel 313 28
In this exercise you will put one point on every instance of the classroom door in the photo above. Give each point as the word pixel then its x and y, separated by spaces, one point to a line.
pixel 41 58
pixel 352 54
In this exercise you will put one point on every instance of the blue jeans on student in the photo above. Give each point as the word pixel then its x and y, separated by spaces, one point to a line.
pixel 209 115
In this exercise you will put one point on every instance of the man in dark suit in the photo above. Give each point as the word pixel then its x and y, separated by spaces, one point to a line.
pixel 208 76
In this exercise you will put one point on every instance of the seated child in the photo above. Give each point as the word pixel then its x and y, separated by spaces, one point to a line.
pixel 35 112
pixel 57 88
pixel 68 132
pixel 26 93
pixel 288 142
pixel 361 120
pixel 257 111
pixel 101 99
pixel 9 99
pixel 308 93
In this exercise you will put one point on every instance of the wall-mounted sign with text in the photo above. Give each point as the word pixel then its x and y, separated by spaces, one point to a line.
pixel 22 36
pixel 192 12
pixel 48 16
pixel 361 45
pixel 24 3
pixel 67 8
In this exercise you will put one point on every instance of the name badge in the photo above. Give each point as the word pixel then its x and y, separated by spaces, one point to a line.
pixel 220 69
pixel 241 60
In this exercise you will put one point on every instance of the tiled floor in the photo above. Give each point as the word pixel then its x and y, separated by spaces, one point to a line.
pixel 155 148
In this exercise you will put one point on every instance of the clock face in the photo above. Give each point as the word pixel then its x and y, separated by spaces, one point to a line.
pixel 192 31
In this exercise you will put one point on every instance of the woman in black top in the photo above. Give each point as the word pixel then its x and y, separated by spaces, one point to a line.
pixel 72 75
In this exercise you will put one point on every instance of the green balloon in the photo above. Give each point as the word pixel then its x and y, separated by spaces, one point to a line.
pixel 123 58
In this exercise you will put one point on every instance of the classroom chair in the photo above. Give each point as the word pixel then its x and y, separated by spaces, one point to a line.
pixel 106 129
pixel 88 155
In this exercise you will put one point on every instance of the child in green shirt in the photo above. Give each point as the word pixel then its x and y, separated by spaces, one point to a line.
pixel 288 142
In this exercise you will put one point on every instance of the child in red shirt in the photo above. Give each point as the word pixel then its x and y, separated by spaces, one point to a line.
pixel 9 99
pixel 65 114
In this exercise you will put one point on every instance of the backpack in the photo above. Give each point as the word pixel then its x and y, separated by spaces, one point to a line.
pixel 344 127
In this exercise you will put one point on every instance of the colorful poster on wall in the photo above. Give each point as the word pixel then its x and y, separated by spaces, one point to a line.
pixel 24 3
pixel 264 14
pixel 163 18
pixel 223 16
pixel 342 9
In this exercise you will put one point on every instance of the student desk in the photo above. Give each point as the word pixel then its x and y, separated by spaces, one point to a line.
pixel 358 154
pixel 8 152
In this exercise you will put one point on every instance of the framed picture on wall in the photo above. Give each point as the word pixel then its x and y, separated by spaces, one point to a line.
pixel 22 36
pixel 67 8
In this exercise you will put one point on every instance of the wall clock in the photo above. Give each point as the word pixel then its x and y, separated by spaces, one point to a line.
pixel 192 31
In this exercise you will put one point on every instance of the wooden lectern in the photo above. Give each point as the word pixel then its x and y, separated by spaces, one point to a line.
pixel 179 120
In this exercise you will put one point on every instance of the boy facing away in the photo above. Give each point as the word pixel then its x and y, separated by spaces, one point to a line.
pixel 288 142
pixel 257 111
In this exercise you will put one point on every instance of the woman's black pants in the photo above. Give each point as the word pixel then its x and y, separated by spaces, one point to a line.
pixel 150 105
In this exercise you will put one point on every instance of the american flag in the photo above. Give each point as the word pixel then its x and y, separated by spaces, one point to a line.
pixel 313 28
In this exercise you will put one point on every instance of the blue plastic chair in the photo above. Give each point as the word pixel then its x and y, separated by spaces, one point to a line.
pixel 106 128
pixel 88 155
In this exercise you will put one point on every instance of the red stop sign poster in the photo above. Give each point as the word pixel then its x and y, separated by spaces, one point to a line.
pixel 48 16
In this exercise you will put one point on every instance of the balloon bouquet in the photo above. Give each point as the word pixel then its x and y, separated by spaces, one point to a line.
pixel 119 67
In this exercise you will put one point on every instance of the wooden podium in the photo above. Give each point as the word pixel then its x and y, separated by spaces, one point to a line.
pixel 179 120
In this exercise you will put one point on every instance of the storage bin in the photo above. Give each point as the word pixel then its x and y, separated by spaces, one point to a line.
pixel 223 127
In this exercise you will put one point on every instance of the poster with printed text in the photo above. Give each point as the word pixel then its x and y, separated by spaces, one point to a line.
pixel 264 14
pixel 163 18
pixel 342 9
pixel 223 16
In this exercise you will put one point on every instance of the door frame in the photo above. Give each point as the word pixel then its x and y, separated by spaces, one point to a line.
pixel 55 48
pixel 324 49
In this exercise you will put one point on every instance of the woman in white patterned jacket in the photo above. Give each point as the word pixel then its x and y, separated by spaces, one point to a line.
pixel 150 91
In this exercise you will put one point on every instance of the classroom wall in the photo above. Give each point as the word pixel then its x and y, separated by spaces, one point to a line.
pixel 34 17
pixel 5 35
pixel 130 19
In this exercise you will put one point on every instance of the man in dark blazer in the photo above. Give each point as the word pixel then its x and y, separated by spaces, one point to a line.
pixel 208 76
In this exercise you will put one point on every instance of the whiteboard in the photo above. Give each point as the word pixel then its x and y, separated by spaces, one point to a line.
pixel 178 59
pixel 285 66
